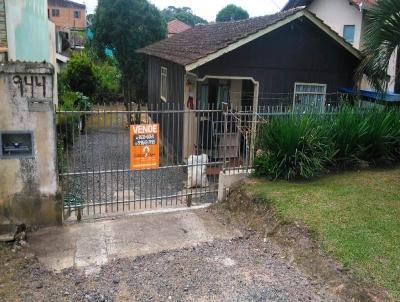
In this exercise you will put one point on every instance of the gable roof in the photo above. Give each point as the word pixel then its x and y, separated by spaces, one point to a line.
pixel 205 43
pixel 176 26
pixel 296 3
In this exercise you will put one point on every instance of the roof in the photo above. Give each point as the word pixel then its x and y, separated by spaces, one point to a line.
pixel 176 26
pixel 296 3
pixel 373 95
pixel 66 3
pixel 204 43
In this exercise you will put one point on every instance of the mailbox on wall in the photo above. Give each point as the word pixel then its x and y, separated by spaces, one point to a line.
pixel 16 144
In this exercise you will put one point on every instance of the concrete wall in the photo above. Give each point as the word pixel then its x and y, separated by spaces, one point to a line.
pixel 27 30
pixel 28 185
pixel 336 14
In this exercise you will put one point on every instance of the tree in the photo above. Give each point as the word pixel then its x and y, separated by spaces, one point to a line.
pixel 183 14
pixel 381 39
pixel 125 26
pixel 232 13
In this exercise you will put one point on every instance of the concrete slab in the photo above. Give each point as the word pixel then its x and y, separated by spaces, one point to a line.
pixel 89 245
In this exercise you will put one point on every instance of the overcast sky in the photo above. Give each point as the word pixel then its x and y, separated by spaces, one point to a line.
pixel 208 9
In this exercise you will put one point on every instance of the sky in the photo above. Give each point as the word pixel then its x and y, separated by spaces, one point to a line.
pixel 208 9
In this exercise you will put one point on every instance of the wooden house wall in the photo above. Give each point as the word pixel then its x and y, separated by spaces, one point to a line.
pixel 171 124
pixel 297 52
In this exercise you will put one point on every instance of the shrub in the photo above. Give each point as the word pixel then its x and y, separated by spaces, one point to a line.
pixel 347 129
pixel 381 140
pixel 301 146
pixel 79 75
pixel 292 147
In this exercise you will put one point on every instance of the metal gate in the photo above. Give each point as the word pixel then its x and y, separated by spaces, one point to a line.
pixel 94 159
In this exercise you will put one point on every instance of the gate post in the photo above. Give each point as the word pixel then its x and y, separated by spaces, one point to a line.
pixel 28 178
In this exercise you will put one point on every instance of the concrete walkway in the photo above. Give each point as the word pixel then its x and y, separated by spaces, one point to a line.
pixel 89 245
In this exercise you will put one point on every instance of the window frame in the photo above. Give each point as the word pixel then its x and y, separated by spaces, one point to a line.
pixel 77 13
pixel 55 12
pixel 164 81
pixel 295 93
pixel 353 26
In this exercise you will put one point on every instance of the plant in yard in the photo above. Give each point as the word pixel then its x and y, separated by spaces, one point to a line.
pixel 381 140
pixel 293 147
pixel 381 39
pixel 347 128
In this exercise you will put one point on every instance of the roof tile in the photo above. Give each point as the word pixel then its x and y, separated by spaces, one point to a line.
pixel 191 45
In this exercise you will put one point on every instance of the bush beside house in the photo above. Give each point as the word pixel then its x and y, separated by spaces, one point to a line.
pixel 302 146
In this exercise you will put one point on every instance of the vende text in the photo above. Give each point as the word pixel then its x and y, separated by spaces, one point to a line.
pixel 144 129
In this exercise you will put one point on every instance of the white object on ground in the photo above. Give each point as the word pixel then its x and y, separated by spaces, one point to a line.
pixel 197 171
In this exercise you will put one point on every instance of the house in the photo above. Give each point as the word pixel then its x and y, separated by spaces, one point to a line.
pixel 285 58
pixel 347 18
pixel 176 26
pixel 67 14
pixel 70 20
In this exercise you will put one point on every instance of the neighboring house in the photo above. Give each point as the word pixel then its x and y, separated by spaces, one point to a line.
pixel 26 34
pixel 176 26
pixel 67 14
pixel 70 20
pixel 291 57
pixel 346 17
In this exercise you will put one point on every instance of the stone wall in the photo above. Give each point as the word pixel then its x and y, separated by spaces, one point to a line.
pixel 28 184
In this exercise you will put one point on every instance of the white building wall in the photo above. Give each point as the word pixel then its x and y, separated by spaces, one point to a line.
pixel 336 14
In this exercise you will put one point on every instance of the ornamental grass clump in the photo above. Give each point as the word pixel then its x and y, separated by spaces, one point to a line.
pixel 292 147
pixel 300 146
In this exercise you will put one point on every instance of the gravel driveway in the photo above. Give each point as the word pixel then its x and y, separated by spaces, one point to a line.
pixel 249 268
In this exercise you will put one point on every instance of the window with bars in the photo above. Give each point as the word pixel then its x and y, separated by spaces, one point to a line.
pixel 163 84
pixel 309 96
pixel 77 14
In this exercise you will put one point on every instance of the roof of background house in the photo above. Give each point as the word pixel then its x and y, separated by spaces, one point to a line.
pixel 176 26
pixel 296 3
pixel 66 3
pixel 206 42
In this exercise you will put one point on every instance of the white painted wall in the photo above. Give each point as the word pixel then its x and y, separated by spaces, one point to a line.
pixel 336 14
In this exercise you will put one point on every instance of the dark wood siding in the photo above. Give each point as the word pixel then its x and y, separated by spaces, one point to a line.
pixel 297 52
pixel 171 124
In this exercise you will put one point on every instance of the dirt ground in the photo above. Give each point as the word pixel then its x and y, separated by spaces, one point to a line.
pixel 249 267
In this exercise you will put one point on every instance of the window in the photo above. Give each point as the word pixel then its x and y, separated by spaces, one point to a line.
pixel 55 12
pixel 77 14
pixel 348 33
pixel 163 88
pixel 309 97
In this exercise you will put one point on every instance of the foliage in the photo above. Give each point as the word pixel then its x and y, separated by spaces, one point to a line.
pixel 79 76
pixel 232 13
pixel 292 147
pixel 124 26
pixel 353 215
pixel 381 38
pixel 301 146
pixel 86 76
pixel 183 14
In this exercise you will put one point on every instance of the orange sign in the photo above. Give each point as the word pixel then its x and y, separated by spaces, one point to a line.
pixel 145 146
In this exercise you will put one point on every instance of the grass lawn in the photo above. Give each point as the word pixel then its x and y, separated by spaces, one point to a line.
pixel 354 215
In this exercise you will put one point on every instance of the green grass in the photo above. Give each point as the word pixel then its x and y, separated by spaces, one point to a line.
pixel 354 215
